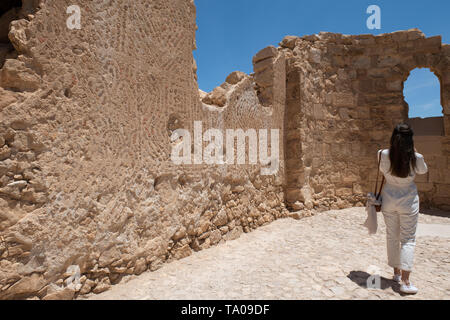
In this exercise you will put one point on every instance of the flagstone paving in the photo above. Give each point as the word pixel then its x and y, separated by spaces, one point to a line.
pixel 326 256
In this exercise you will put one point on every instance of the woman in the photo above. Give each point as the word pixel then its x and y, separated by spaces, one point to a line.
pixel 400 202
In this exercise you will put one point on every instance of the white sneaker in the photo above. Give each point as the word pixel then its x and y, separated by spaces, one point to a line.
pixel 397 278
pixel 408 288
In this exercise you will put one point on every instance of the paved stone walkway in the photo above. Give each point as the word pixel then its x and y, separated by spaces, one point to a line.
pixel 326 256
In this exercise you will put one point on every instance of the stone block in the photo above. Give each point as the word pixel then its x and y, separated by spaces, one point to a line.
pixel 435 41
pixel 16 75
pixel 215 236
pixel 62 294
pixel 344 100
pixel 442 202
pixel 390 61
pixel 221 218
pixel 319 112
pixel 443 190
pixel 396 111
pixel 396 85
pixel 399 36
pixel 234 233
pixel 377 135
pixel 315 55
pixel 414 34
pixel 446 108
pixel 293 195
pixel 26 286
pixel 350 177
pixel 182 252
pixel 424 186
pixel 263 64
pixel 446 77
pixel 428 145
pixel 362 62
pixel 235 77
pixel 265 78
pixel 289 42
pixel 268 52
pixel 335 177
pixel 344 192
pixel 422 178
pixel 358 189
pixel 436 176
pixel 366 85
pixel 216 97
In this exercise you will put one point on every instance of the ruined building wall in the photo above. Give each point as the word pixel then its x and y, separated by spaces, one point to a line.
pixel 345 94
pixel 84 139
pixel 249 198
pixel 86 121
pixel 429 135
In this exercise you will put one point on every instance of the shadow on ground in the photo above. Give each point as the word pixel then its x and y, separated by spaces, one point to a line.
pixel 361 277
pixel 435 212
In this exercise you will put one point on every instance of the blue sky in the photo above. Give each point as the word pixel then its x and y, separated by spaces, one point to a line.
pixel 422 93
pixel 232 31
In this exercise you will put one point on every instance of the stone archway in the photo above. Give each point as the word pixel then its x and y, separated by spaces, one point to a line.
pixel 429 135
pixel 428 126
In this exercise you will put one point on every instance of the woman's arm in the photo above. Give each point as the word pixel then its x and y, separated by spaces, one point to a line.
pixel 385 163
pixel 421 166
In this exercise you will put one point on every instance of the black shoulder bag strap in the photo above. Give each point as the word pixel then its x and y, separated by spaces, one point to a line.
pixel 377 195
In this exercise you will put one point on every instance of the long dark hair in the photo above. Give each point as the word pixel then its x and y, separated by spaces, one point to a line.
pixel 402 152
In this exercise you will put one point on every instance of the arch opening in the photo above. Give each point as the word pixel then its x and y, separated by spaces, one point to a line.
pixel 422 96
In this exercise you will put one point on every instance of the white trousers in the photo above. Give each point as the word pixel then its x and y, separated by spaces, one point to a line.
pixel 401 238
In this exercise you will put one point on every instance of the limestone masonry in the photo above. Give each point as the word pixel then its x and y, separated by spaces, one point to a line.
pixel 86 116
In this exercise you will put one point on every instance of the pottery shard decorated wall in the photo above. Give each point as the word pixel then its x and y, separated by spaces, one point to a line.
pixel 344 96
pixel 86 179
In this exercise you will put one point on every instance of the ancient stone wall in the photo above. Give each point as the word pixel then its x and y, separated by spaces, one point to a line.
pixel 87 118
pixel 428 138
pixel 344 96
pixel 84 118
pixel 249 197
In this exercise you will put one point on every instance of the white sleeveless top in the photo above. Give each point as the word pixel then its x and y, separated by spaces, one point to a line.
pixel 400 194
